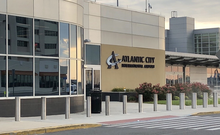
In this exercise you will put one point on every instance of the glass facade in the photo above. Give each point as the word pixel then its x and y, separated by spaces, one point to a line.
pixel 207 43
pixel 213 77
pixel 174 75
pixel 44 57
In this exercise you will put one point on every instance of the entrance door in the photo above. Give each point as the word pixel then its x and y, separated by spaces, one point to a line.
pixel 92 80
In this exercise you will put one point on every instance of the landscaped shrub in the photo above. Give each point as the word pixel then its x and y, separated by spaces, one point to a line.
pixel 147 89
pixel 122 90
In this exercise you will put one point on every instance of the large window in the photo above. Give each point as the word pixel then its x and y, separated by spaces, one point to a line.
pixel 206 43
pixel 92 54
pixel 46 76
pixel 65 86
pixel 46 38
pixel 2 34
pixel 73 77
pixel 20 76
pixel 20 35
pixel 64 40
pixel 73 41
pixel 3 77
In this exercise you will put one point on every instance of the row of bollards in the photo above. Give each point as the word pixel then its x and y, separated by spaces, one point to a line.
pixel 107 104
pixel 168 102
pixel 43 108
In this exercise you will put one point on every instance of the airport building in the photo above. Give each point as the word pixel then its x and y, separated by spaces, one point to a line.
pixel 54 48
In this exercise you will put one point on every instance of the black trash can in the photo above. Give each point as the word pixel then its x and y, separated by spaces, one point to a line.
pixel 96 101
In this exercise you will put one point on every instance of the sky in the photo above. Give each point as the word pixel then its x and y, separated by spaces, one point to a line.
pixel 205 12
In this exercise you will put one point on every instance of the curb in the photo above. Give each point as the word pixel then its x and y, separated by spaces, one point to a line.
pixel 205 113
pixel 51 129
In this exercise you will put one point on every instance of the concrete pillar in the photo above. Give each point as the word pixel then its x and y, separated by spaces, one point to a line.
pixel 17 108
pixel 88 107
pixel 194 100
pixel 215 99
pixel 169 102
pixel 67 114
pixel 155 102
pixel 140 103
pixel 43 108
pixel 205 99
pixel 124 104
pixel 182 100
pixel 107 105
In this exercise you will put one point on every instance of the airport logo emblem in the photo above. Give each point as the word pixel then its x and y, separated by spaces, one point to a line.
pixel 111 61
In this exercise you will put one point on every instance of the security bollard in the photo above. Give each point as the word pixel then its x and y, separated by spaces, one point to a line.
pixel 140 103
pixel 43 108
pixel 124 104
pixel 67 114
pixel 88 107
pixel 107 105
pixel 182 100
pixel 17 108
pixel 155 102
pixel 194 100
pixel 215 99
pixel 169 101
pixel 205 99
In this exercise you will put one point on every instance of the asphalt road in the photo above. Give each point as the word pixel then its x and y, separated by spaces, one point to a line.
pixel 188 125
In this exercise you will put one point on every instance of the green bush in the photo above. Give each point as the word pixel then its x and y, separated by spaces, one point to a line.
pixel 176 98
pixel 122 90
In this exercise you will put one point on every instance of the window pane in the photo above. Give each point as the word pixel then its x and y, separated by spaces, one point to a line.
pixel 19 69
pixel 93 54
pixel 97 79
pixel 46 77
pixel 80 77
pixel 20 35
pixel 64 40
pixel 46 38
pixel 73 42
pixel 64 77
pixel 2 34
pixel 3 77
pixel 79 43
pixel 73 77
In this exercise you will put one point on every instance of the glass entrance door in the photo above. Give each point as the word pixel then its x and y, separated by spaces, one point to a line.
pixel 92 80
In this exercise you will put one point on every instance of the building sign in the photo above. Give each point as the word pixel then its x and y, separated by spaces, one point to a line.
pixel 140 60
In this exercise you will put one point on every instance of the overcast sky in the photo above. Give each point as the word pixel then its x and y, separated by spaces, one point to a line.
pixel 205 12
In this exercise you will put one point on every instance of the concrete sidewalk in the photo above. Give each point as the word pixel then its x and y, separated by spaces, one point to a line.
pixel 8 125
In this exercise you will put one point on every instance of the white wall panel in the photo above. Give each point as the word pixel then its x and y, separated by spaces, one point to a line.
pixel 75 1
pixel 81 2
pixel 86 8
pixel 2 5
pixel 22 7
pixel 112 38
pixel 116 25
pixel 42 8
pixel 86 21
pixel 116 13
pixel 94 22
pixel 145 42
pixel 68 11
pixel 95 36
pixel 80 14
pixel 145 18
pixel 86 33
pixel 161 44
pixel 198 74
pixel 145 30
pixel 161 32
pixel 94 9
pixel 161 21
